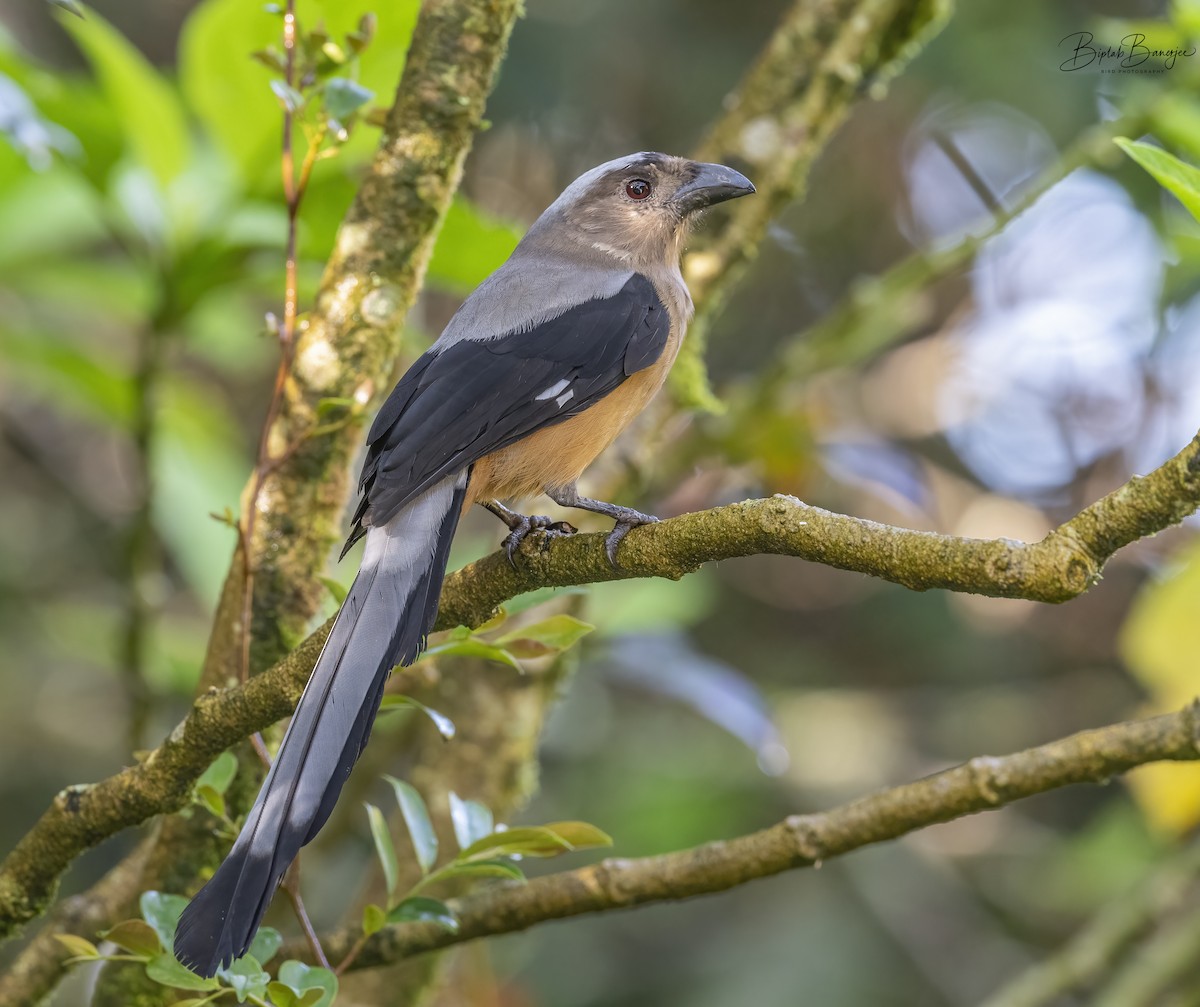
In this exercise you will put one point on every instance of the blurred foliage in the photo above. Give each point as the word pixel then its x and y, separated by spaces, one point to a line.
pixel 1003 388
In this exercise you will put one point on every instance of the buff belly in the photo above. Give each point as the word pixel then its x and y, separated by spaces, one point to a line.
pixel 558 454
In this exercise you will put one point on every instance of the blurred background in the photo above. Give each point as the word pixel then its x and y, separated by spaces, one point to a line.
pixel 1013 373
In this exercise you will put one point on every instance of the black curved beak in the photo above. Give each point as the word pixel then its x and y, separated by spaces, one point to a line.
pixel 712 184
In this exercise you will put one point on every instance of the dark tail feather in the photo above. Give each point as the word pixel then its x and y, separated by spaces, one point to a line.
pixel 387 614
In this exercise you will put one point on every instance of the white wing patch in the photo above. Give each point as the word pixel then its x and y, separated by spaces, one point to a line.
pixel 554 390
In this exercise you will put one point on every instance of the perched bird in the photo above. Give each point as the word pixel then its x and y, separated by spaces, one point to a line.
pixel 537 373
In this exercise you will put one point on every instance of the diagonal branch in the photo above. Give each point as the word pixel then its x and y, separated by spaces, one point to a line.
pixel 799 841
pixel 1059 567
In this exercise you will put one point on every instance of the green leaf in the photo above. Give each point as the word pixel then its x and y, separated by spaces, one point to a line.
pixel 419 909
pixel 550 636
pixel 384 847
pixel 483 869
pixel 335 588
pixel 301 978
pixel 1178 177
pixel 224 86
pixel 537 841
pixel 289 97
pixel 162 912
pixel 211 799
pixel 416 817
pixel 266 942
pixel 581 835
pixel 528 841
pixel 373 919
pixel 344 97
pixel 220 773
pixel 246 978
pixel 80 947
pixel 281 995
pixel 135 936
pixel 473 647
pixel 165 970
pixel 443 723
pixel 148 109
pixel 471 819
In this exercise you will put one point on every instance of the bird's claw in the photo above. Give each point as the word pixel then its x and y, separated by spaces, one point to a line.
pixel 628 520
pixel 529 524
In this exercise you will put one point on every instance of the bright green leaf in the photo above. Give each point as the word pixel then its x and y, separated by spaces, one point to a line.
pixel 550 636
pixel 79 947
pixel 266 942
pixel 373 919
pixel 246 978
pixel 1178 177
pixel 165 970
pixel 528 841
pixel 474 648
pixel 443 723
pixel 537 841
pixel 148 108
pixel 220 773
pixel 211 799
pixel 301 977
pixel 581 835
pixel 335 588
pixel 416 817
pixel 483 869
pixel 281 995
pixel 162 912
pixel 471 819
pixel 135 936
pixel 419 909
pixel 226 88
pixel 384 847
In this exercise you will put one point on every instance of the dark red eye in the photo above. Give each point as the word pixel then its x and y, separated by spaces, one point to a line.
pixel 637 188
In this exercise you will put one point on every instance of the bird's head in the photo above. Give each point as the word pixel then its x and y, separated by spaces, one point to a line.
pixel 637 208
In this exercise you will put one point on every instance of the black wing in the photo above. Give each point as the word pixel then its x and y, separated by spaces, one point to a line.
pixel 479 395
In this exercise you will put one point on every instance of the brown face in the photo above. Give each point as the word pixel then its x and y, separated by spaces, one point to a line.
pixel 637 207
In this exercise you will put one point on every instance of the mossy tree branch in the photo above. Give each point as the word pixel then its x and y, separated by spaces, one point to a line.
pixel 823 56
pixel 982 784
pixel 1059 567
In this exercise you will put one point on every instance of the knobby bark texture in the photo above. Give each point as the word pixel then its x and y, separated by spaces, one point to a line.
pixel 1059 567
pixel 821 59
pixel 981 784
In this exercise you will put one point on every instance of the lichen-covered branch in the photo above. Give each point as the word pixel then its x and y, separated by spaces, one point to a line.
pixel 1107 939
pixel 1061 566
pixel 981 784
pixel 822 57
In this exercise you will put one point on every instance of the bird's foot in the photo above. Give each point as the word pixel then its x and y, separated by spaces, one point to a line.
pixel 525 524
pixel 627 519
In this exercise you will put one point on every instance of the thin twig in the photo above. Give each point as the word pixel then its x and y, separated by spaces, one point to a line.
pixel 291 885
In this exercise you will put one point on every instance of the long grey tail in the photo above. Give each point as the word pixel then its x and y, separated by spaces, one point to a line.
pixel 389 611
